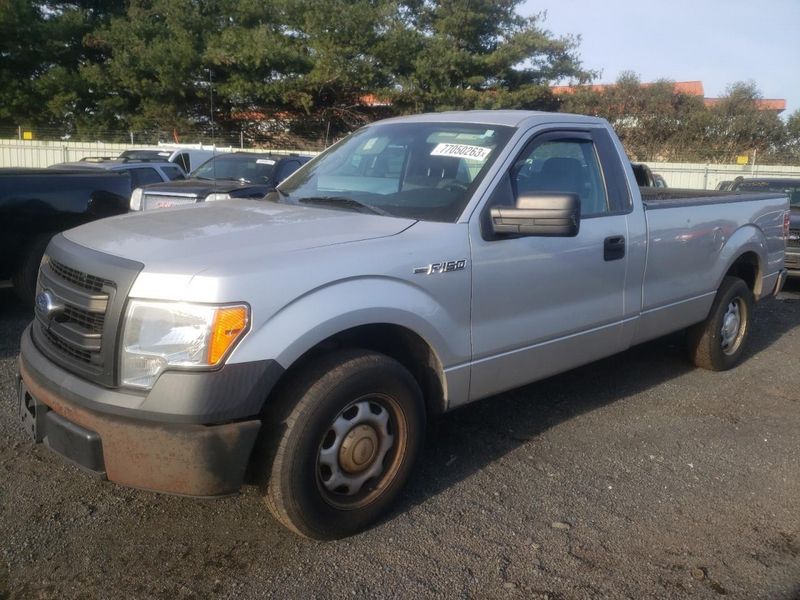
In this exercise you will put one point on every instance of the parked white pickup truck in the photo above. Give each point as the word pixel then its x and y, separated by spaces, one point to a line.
pixel 421 263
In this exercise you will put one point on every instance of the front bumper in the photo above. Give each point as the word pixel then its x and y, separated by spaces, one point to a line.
pixel 174 457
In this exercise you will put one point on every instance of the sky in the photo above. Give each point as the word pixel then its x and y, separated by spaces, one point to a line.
pixel 717 42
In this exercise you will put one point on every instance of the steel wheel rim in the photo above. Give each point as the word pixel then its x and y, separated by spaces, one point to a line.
pixel 734 326
pixel 361 451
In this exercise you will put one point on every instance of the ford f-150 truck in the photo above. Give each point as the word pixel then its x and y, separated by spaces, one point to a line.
pixel 419 264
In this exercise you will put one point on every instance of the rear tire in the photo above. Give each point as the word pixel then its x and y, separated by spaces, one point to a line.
pixel 352 428
pixel 24 280
pixel 718 342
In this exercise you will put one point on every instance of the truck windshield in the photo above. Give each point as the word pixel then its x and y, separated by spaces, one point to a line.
pixel 237 167
pixel 424 171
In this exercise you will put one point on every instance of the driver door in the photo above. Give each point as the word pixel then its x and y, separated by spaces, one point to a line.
pixel 541 305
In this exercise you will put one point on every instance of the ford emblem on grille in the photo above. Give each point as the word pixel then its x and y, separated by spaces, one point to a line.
pixel 47 305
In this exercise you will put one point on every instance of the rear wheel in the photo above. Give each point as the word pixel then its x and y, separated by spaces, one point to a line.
pixel 718 342
pixel 354 425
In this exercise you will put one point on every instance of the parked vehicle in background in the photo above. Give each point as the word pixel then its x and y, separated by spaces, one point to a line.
pixel 725 186
pixel 140 172
pixel 420 264
pixel 791 187
pixel 223 177
pixel 645 176
pixel 35 204
pixel 186 157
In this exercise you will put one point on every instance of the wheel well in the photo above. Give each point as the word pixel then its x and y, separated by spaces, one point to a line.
pixel 397 342
pixel 747 268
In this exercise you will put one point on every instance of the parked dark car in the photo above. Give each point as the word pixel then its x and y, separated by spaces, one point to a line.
pixel 225 176
pixel 186 157
pixel 791 186
pixel 35 204
pixel 142 171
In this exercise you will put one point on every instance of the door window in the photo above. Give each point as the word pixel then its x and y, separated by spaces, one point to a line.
pixel 144 176
pixel 184 161
pixel 173 173
pixel 286 169
pixel 562 165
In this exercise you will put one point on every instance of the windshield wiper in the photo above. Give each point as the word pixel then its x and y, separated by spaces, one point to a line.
pixel 344 203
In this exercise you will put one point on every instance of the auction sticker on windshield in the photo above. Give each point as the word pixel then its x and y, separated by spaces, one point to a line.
pixel 461 151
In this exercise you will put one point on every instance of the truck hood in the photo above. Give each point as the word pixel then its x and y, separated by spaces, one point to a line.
pixel 202 187
pixel 238 234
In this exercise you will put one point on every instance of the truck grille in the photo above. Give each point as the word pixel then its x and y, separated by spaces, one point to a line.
pixel 73 328
pixel 151 201
pixel 83 280
pixel 79 308
pixel 67 349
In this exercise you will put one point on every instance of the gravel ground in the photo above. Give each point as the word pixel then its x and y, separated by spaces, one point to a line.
pixel 634 477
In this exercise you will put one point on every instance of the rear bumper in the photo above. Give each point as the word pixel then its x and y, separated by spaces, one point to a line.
pixel 179 458
pixel 792 261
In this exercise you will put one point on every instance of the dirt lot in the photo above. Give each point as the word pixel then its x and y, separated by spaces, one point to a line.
pixel 634 477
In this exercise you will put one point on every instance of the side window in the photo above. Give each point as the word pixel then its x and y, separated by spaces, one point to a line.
pixel 562 165
pixel 144 176
pixel 286 169
pixel 173 173
pixel 183 160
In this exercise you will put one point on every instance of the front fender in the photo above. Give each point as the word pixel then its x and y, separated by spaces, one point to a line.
pixel 344 304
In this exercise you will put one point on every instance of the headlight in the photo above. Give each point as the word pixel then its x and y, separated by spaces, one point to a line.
pixel 215 197
pixel 136 199
pixel 161 335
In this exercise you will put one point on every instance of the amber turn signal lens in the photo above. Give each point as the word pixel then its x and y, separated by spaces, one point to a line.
pixel 229 324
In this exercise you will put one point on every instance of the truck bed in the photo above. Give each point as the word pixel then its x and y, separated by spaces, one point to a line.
pixel 655 198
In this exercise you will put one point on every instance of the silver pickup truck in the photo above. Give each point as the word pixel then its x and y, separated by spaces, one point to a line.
pixel 419 264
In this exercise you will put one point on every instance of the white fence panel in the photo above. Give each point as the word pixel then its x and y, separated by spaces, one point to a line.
pixel 707 176
pixel 22 153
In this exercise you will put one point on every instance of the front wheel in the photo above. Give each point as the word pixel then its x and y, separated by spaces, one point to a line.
pixel 718 342
pixel 354 423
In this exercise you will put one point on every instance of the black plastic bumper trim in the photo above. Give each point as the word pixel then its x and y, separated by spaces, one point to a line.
pixel 81 446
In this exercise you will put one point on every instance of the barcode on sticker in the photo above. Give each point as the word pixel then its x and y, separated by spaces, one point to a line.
pixel 461 151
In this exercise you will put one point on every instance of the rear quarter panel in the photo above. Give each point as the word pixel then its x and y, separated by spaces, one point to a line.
pixel 691 248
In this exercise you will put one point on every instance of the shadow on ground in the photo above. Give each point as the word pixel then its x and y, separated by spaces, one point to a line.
pixel 465 441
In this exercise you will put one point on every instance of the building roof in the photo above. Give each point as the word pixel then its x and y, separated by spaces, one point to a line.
pixel 691 88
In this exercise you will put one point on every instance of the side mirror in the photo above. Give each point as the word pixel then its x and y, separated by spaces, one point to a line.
pixel 542 214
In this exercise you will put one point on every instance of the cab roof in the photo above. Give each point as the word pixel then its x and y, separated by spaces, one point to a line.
pixel 508 118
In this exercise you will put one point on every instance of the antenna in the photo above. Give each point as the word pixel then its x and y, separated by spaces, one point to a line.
pixel 211 102
pixel 211 116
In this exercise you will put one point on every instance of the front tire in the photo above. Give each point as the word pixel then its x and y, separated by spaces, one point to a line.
pixel 353 427
pixel 718 342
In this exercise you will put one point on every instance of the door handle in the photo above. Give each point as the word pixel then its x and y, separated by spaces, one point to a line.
pixel 614 248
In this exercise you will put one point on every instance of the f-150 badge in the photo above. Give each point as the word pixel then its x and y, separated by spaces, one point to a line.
pixel 441 267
